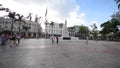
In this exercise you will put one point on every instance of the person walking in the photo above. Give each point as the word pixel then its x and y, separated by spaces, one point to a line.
pixel 87 38
pixel 52 38
pixel 13 40
pixel 3 40
pixel 18 39
pixel 57 39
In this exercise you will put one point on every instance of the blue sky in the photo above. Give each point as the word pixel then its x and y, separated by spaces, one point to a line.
pixel 98 10
pixel 76 12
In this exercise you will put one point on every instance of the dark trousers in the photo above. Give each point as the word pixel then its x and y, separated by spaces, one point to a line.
pixel 57 41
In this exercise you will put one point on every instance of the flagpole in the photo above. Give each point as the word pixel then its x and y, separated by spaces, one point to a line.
pixel 46 23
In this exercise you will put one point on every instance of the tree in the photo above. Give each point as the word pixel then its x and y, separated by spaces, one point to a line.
pixel 105 27
pixel 61 26
pixel 83 30
pixel 116 16
pixel 4 9
pixel 12 16
pixel 118 3
pixel 52 24
pixel 110 27
pixel 20 20
pixel 94 31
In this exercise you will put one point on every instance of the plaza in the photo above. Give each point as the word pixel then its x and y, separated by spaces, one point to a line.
pixel 41 53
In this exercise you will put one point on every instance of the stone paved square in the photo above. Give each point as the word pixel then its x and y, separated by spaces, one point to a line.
pixel 41 53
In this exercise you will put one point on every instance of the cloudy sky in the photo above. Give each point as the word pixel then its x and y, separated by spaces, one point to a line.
pixel 76 12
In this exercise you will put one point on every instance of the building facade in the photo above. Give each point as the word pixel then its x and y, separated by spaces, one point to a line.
pixel 53 30
pixel 34 29
pixel 74 31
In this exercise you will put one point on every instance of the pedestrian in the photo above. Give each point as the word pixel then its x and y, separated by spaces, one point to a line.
pixel 3 40
pixel 57 39
pixel 13 40
pixel 87 38
pixel 52 38
pixel 18 39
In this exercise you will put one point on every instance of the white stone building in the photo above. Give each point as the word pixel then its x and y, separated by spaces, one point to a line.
pixel 55 30
pixel 74 31
pixel 34 31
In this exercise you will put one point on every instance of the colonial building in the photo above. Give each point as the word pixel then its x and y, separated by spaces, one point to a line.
pixel 74 31
pixel 28 28
pixel 53 29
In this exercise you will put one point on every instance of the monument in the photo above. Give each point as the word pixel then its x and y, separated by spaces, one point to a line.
pixel 65 34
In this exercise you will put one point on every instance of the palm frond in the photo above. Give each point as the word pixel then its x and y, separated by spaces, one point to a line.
pixel 118 6
pixel 117 1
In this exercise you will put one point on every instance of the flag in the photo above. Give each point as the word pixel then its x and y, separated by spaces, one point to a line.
pixel 46 13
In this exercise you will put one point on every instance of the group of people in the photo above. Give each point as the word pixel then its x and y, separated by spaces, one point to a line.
pixel 53 38
pixel 13 39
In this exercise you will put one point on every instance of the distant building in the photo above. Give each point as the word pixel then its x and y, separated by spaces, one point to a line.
pixel 71 31
pixel 34 31
pixel 74 31
pixel 55 30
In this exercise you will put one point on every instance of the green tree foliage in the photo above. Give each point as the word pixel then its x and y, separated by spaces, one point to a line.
pixel 94 31
pixel 116 15
pixel 110 27
pixel 106 27
pixel 20 20
pixel 52 24
pixel 83 30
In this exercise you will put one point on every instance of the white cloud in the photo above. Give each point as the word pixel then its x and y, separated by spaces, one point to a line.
pixel 58 10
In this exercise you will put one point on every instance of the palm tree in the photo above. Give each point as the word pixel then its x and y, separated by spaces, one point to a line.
pixel 20 20
pixel 118 3
pixel 12 16
pixel 2 8
pixel 52 24
pixel 61 26
pixel 94 31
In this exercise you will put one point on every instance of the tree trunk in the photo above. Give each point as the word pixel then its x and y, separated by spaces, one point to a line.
pixel 12 27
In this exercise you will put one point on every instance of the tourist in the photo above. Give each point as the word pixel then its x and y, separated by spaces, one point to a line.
pixel 18 39
pixel 57 39
pixel 52 38
pixel 87 38
pixel 13 40
pixel 3 40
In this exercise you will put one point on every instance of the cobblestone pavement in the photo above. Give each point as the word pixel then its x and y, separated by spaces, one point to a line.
pixel 41 53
